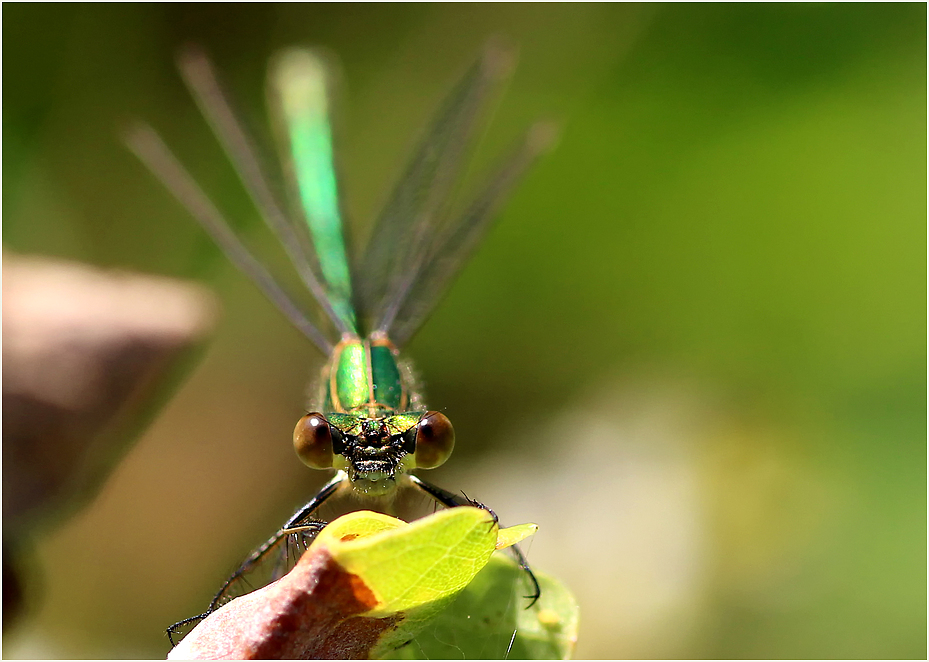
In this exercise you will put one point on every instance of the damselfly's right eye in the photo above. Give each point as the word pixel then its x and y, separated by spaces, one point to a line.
pixel 313 441
pixel 435 439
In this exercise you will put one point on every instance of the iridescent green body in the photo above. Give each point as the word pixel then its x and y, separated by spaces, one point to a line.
pixel 365 393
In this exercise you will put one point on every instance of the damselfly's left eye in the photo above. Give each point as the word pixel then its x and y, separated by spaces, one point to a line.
pixel 435 439
pixel 313 441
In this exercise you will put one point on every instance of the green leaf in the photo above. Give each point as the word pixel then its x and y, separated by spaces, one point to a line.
pixel 367 586
pixel 414 570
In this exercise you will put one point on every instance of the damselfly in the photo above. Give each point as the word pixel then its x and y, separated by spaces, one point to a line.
pixel 370 423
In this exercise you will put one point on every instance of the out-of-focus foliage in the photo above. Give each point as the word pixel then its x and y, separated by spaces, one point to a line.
pixel 692 349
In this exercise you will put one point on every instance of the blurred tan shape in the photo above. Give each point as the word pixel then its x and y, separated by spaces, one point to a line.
pixel 86 353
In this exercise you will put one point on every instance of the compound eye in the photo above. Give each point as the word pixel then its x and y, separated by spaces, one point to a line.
pixel 313 441
pixel 435 439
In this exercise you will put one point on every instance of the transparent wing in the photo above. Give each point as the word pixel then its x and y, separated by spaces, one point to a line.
pixel 201 79
pixel 408 222
pixel 152 151
pixel 423 286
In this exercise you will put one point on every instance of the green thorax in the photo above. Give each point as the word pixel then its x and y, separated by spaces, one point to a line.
pixel 364 376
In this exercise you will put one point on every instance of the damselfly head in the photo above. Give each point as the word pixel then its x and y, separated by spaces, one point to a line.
pixel 374 451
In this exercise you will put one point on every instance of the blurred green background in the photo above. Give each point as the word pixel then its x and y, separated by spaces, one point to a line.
pixel 692 349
